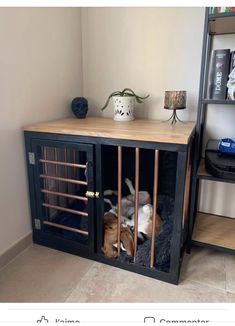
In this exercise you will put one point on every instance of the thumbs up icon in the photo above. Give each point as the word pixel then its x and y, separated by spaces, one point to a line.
pixel 43 320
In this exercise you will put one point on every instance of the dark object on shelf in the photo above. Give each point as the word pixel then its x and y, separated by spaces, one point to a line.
pixel 175 100
pixel 219 74
pixel 218 164
pixel 79 107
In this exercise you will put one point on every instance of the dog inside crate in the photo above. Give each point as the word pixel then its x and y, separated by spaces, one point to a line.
pixel 164 212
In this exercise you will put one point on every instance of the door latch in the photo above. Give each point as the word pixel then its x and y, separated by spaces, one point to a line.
pixel 92 194
pixel 31 156
pixel 37 224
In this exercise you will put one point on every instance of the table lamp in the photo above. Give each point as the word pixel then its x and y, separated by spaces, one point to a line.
pixel 175 100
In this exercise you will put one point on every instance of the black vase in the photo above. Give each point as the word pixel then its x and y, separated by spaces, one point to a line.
pixel 79 107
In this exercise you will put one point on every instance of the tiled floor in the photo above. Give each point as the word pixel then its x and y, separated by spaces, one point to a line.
pixel 40 274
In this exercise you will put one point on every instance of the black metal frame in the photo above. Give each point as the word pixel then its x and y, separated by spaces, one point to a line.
pixel 203 101
pixel 63 244
pixel 199 129
pixel 174 117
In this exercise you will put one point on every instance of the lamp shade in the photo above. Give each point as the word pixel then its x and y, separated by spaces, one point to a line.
pixel 175 100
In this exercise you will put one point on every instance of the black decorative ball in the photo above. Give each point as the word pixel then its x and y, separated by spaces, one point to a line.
pixel 79 107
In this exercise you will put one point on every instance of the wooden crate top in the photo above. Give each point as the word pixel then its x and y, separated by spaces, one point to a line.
pixel 141 130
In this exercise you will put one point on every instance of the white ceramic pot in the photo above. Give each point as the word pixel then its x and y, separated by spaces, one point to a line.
pixel 123 108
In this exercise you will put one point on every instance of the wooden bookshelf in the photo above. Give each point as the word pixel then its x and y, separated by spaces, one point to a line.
pixel 203 174
pixel 214 230
pixel 223 23
pixel 202 169
pixel 207 230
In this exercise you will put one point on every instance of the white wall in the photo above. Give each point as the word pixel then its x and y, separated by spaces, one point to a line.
pixel 152 50
pixel 148 49
pixel 40 65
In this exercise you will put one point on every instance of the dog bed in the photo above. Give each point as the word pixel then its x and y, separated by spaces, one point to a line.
pixel 163 239
pixel 162 242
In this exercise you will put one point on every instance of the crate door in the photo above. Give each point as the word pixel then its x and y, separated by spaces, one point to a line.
pixel 64 181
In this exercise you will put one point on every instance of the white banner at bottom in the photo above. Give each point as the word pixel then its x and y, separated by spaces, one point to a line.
pixel 164 314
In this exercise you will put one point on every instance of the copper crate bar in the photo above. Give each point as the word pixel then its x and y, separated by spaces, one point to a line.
pixel 63 179
pixel 66 174
pixel 45 170
pixel 137 164
pixel 56 159
pixel 65 227
pixel 82 166
pixel 74 167
pixel 119 198
pixel 56 172
pixel 69 210
pixel 64 195
pixel 155 190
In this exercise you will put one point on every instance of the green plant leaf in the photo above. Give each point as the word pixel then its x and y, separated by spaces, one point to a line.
pixel 143 97
pixel 128 90
pixel 125 92
pixel 106 103
pixel 108 99
pixel 138 100
pixel 116 93
pixel 128 94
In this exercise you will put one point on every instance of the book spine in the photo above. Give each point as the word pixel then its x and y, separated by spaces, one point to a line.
pixel 232 61
pixel 219 74
pixel 232 66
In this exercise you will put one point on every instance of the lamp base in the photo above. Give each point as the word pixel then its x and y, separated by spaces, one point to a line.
pixel 174 118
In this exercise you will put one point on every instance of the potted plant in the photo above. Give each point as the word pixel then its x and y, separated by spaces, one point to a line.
pixel 123 104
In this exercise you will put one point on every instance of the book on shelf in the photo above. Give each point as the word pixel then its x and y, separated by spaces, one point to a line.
pixel 232 61
pixel 232 66
pixel 219 71
pixel 221 10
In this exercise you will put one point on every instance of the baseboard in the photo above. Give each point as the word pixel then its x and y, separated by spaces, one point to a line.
pixel 15 250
